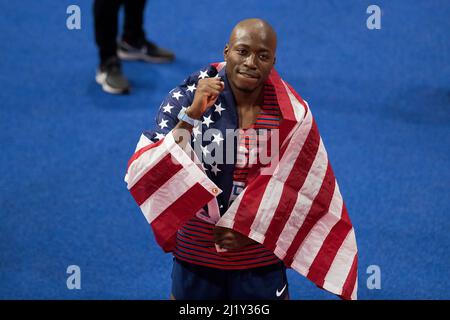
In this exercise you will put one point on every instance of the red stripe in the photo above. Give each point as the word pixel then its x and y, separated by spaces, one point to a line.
pixel 292 186
pixel 330 247
pixel 240 174
pixel 138 153
pixel 252 198
pixel 319 208
pixel 350 282
pixel 199 225
pixel 269 126
pixel 166 225
pixel 266 121
pixel 248 265
pixel 269 112
pixel 345 216
pixel 225 257
pixel 254 250
pixel 249 204
pixel 196 233
pixel 285 105
pixel 154 178
pixel 282 96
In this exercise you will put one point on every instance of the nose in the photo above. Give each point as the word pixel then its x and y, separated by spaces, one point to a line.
pixel 250 62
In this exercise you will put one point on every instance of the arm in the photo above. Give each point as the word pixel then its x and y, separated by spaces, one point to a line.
pixel 206 94
pixel 164 181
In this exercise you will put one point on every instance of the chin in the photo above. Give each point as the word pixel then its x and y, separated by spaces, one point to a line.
pixel 245 88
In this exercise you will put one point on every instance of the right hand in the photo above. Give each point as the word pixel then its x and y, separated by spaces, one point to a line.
pixel 207 92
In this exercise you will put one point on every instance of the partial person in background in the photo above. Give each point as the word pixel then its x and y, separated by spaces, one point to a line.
pixel 133 44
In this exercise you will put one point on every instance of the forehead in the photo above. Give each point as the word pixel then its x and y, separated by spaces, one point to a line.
pixel 253 37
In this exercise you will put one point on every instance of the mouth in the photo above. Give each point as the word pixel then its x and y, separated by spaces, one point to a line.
pixel 247 74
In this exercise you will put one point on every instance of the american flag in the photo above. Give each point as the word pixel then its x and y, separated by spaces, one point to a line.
pixel 296 211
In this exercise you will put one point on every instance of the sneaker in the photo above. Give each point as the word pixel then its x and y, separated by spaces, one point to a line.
pixel 148 52
pixel 109 76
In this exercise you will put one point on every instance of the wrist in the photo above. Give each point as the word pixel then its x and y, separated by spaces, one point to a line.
pixel 194 113
pixel 185 117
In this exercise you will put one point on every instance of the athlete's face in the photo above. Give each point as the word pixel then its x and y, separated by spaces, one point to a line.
pixel 250 56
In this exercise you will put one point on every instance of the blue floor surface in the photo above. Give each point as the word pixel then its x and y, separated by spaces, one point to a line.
pixel 381 99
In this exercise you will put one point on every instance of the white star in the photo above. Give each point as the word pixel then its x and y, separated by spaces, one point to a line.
pixel 167 107
pixel 218 108
pixel 207 121
pixel 177 95
pixel 215 169
pixel 196 131
pixel 205 150
pixel 191 88
pixel 159 136
pixel 204 168
pixel 163 124
pixel 217 138
pixel 203 75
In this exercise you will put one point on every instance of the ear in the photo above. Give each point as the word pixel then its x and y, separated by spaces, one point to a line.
pixel 225 52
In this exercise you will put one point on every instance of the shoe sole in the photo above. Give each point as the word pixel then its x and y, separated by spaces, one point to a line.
pixel 139 56
pixel 101 80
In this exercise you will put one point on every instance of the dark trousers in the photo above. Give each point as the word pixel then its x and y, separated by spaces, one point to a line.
pixel 106 14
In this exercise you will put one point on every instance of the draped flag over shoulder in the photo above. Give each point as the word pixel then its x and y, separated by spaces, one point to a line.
pixel 168 186
pixel 296 211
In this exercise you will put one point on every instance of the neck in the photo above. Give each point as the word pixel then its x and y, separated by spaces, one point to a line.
pixel 246 99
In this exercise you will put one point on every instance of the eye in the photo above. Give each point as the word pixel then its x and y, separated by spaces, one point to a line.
pixel 241 51
pixel 264 56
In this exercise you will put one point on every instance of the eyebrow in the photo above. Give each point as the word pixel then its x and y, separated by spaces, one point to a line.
pixel 263 48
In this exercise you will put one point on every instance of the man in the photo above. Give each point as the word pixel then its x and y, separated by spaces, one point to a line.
pixel 234 226
pixel 132 46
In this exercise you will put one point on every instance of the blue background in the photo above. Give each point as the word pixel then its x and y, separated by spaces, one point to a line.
pixel 381 99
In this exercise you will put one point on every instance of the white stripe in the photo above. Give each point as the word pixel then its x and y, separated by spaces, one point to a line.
pixel 167 194
pixel 299 110
pixel 267 207
pixel 307 111
pixel 274 189
pixel 354 295
pixel 293 150
pixel 181 157
pixel 255 235
pixel 310 247
pixel 177 185
pixel 227 220
pixel 213 211
pixel 144 163
pixel 342 263
pixel 305 198
pixel 143 142
pixel 213 206
pixel 221 65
